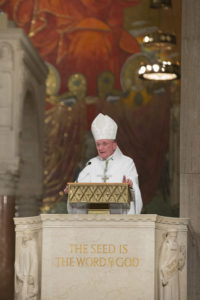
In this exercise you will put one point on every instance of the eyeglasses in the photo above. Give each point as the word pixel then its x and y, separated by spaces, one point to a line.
pixel 104 144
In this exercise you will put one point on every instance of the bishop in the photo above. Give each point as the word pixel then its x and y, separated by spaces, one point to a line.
pixel 110 162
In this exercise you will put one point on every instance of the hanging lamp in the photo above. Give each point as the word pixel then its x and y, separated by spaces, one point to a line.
pixel 159 71
pixel 159 40
pixel 160 3
pixel 162 69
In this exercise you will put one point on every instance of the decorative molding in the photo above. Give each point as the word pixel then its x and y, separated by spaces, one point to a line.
pixel 101 218
pixel 105 217
pixel 43 218
pixel 27 220
pixel 97 218
pixel 171 220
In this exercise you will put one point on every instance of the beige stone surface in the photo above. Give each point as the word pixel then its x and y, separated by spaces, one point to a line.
pixel 190 138
pixel 22 99
pixel 101 256
pixel 22 105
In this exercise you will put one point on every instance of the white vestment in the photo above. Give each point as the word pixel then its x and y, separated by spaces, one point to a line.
pixel 119 165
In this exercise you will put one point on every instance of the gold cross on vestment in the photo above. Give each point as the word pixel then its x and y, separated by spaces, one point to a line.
pixel 104 178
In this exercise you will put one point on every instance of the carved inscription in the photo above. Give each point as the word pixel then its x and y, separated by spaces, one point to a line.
pixel 97 255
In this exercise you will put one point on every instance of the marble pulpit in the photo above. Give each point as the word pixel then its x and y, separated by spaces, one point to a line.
pixel 101 257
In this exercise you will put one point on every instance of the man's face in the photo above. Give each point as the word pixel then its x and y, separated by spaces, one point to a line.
pixel 106 148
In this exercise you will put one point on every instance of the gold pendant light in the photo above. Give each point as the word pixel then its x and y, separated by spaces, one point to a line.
pixel 163 70
pixel 163 43
pixel 160 3
pixel 159 40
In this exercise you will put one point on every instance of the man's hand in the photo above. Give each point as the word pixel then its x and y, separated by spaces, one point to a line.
pixel 66 189
pixel 129 181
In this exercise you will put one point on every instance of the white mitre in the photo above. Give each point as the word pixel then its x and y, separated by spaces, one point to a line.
pixel 103 127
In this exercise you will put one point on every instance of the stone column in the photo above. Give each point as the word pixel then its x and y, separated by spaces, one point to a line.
pixel 22 99
pixel 190 138
pixel 9 163
pixel 7 213
pixel 174 149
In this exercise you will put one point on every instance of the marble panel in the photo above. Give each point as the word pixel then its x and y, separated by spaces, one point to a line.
pixel 108 256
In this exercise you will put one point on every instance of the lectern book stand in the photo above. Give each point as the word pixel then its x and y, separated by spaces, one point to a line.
pixel 99 197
